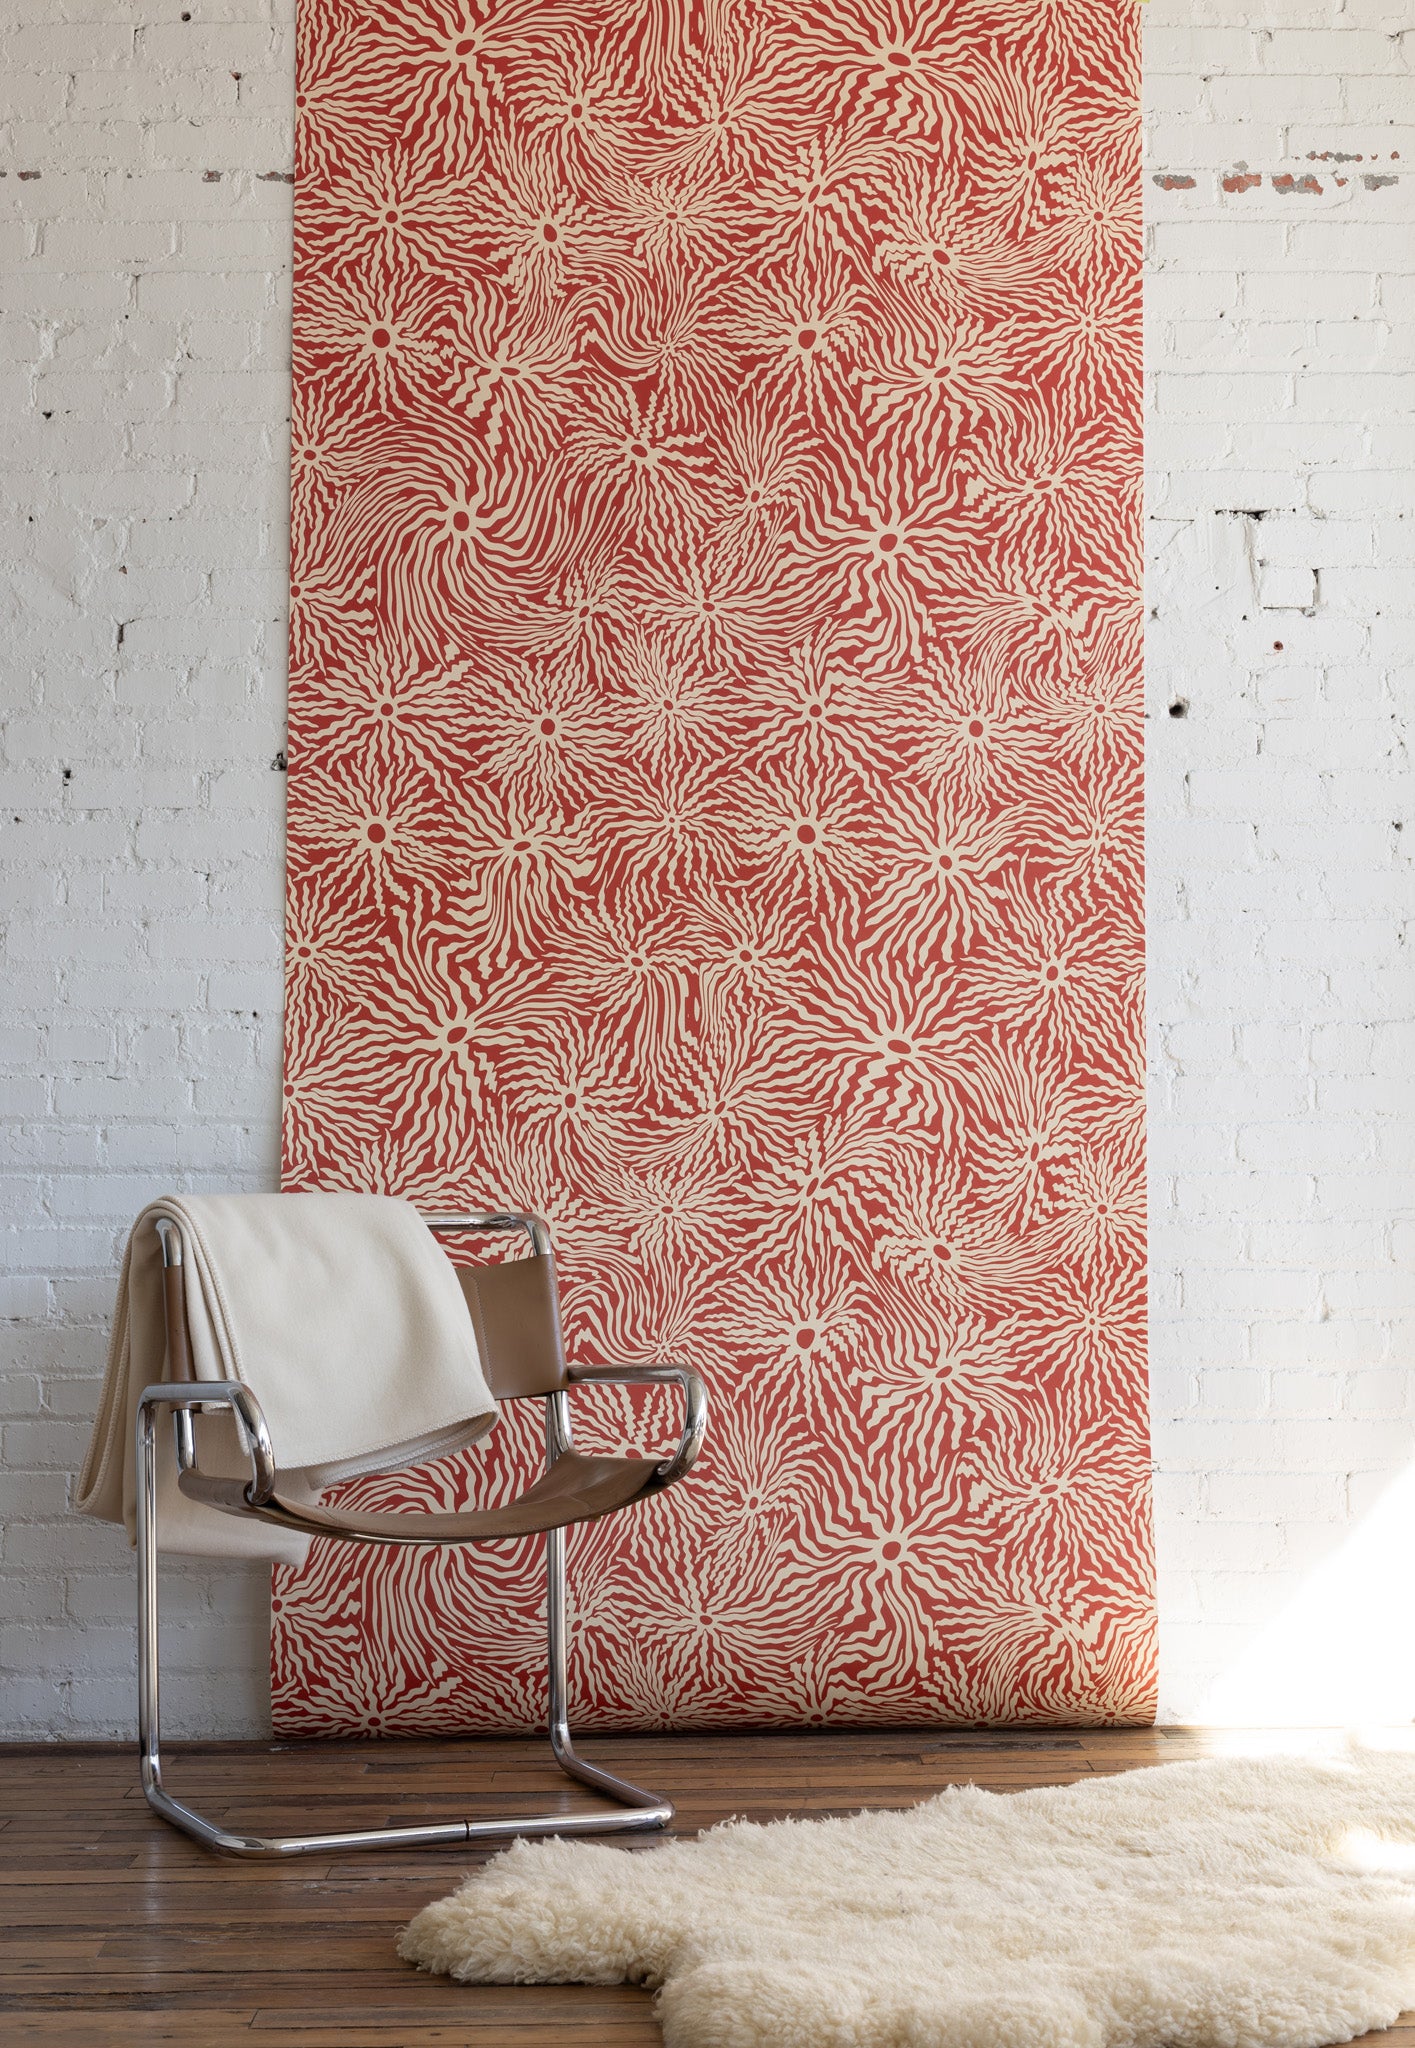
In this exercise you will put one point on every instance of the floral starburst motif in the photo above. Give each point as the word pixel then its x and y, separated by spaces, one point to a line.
pixel 715 739
pixel 374 336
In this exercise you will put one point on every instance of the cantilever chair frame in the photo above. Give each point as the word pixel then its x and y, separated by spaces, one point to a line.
pixel 182 1394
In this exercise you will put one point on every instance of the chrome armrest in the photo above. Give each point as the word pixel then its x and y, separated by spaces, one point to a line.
pixel 535 1227
pixel 694 1406
pixel 185 1396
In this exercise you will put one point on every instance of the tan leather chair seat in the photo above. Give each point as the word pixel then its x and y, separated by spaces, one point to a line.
pixel 577 1488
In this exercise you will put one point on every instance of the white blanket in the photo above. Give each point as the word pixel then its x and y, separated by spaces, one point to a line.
pixel 343 1316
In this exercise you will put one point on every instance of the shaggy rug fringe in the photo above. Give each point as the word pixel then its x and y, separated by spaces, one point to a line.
pixel 1223 1904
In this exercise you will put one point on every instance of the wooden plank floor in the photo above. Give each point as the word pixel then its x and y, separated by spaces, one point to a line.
pixel 115 1930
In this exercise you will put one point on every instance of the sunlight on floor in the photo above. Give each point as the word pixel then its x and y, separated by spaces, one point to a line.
pixel 1320 1744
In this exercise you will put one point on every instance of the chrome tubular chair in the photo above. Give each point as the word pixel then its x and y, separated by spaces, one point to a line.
pixel 516 1314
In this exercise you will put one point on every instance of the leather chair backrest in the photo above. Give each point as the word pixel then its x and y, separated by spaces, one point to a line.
pixel 516 1311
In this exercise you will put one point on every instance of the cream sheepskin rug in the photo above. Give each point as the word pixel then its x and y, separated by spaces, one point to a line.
pixel 1197 1905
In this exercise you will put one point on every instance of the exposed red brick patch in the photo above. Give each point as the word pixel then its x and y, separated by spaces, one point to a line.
pixel 1242 181
pixel 1174 181
pixel 1285 182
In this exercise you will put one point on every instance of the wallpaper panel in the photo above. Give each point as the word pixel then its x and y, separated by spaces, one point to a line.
pixel 715 823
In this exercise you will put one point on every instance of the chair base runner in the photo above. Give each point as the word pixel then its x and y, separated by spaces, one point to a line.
pixel 638 1810
pixel 647 1813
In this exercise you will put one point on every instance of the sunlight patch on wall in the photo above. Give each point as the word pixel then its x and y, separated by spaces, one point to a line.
pixel 1342 1652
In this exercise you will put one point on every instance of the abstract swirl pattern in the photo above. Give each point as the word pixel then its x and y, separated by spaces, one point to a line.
pixel 715 823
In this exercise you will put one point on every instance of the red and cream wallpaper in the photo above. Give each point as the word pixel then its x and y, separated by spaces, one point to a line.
pixel 715 823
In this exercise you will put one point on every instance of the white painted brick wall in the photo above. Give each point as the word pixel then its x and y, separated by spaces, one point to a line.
pixel 144 233
pixel 144 372
pixel 1282 826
